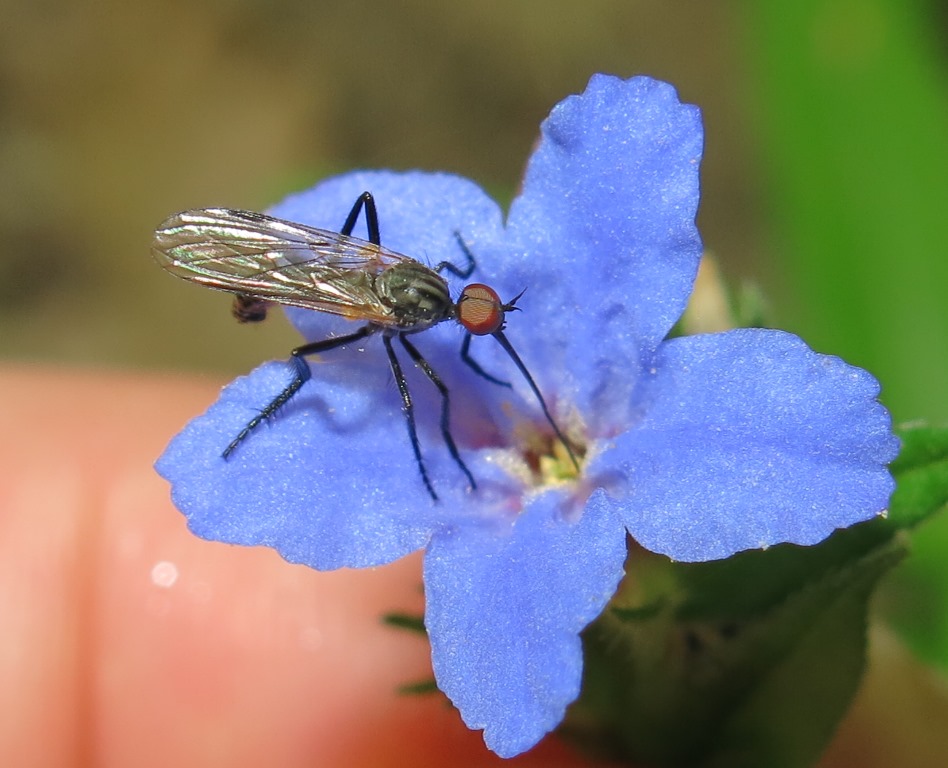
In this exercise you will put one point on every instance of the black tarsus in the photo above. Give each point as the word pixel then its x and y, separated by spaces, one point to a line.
pixel 463 273
pixel 299 379
pixel 430 372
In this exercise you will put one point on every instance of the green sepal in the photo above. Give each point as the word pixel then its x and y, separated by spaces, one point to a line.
pixel 748 661
pixel 415 624
pixel 419 688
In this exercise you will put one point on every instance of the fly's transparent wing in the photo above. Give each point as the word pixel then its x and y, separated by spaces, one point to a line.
pixel 263 257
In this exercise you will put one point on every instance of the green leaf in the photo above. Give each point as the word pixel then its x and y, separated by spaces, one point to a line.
pixel 803 671
pixel 852 114
pixel 921 471
pixel 915 600
pixel 410 622
pixel 749 661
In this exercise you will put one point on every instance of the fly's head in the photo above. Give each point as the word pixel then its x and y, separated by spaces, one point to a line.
pixel 481 311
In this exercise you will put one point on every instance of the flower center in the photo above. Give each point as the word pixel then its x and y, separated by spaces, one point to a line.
pixel 544 456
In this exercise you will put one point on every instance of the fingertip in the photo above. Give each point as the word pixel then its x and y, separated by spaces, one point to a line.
pixel 140 644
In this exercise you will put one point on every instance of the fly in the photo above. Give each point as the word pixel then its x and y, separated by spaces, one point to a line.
pixel 266 260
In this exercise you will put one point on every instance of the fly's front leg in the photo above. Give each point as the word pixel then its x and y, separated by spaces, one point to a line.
pixel 300 376
pixel 476 366
pixel 463 272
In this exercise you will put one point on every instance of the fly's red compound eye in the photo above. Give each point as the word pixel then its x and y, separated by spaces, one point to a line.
pixel 480 310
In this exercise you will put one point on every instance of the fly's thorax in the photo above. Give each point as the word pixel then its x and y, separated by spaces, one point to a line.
pixel 418 296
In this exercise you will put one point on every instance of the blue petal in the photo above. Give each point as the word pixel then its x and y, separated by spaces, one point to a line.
pixel 604 233
pixel 330 481
pixel 504 612
pixel 748 439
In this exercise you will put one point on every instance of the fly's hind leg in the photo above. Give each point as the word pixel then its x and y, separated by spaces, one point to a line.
pixel 300 377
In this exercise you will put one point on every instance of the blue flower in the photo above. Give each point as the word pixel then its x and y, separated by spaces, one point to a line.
pixel 699 447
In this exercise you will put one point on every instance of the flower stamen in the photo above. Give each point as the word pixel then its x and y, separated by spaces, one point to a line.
pixel 546 456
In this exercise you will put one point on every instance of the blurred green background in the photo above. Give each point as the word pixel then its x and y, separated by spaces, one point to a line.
pixel 825 177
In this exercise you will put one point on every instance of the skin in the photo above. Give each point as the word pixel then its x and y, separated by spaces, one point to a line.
pixel 128 641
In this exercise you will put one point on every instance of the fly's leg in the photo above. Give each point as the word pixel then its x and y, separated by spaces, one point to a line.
pixel 445 406
pixel 463 272
pixel 475 366
pixel 409 410
pixel 512 353
pixel 365 200
pixel 300 377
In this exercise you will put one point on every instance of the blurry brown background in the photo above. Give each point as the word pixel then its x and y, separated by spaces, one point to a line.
pixel 115 114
